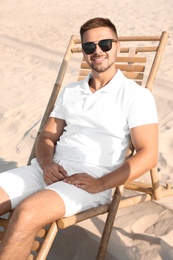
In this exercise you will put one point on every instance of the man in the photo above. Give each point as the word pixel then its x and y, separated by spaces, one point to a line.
pixel 80 152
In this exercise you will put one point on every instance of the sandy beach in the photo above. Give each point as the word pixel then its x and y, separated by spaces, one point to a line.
pixel 33 38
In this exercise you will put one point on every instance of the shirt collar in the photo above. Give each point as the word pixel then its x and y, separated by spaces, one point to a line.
pixel 83 86
pixel 108 88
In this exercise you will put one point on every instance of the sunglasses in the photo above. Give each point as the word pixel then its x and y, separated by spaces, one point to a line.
pixel 105 45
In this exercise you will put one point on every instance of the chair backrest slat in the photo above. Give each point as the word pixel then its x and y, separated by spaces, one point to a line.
pixel 126 61
pixel 131 67
pixel 124 49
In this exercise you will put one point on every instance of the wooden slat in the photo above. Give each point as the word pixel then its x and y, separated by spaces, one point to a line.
pixel 4 222
pixel 124 49
pixel 76 50
pixel 138 82
pixel 140 49
pixel 41 233
pixel 84 65
pixel 133 75
pixel 134 200
pixel 138 186
pixel 3 225
pixel 139 38
pixel 127 60
pixel 130 67
pixel 32 257
pixel 77 41
pixel 68 221
pixel 121 66
pixel 81 78
pixel 84 72
pixel 36 246
pixel 1 235
pixel 131 59
pixel 132 38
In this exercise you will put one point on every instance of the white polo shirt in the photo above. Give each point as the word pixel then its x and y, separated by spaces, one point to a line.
pixel 99 123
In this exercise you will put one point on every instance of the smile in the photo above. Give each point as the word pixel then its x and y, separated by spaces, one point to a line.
pixel 97 59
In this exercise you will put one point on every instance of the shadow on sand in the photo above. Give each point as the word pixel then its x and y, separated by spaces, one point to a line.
pixel 5 166
pixel 76 243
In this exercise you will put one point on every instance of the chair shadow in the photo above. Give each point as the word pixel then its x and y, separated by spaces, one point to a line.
pixel 76 243
pixel 7 165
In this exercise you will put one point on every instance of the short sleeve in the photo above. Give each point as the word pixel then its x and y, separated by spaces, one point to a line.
pixel 58 108
pixel 142 109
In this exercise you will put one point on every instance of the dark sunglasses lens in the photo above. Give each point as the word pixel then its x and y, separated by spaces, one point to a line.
pixel 88 47
pixel 105 45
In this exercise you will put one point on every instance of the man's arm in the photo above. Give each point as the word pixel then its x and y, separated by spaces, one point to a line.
pixel 145 141
pixel 45 148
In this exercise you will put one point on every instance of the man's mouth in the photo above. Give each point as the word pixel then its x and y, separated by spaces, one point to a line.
pixel 98 59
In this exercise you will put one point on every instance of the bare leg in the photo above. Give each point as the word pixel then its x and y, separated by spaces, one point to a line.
pixel 33 213
pixel 5 204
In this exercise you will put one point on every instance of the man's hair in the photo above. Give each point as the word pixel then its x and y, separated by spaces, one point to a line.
pixel 96 23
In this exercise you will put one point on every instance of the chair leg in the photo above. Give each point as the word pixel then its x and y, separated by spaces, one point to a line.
pixel 109 223
pixel 48 242
pixel 155 184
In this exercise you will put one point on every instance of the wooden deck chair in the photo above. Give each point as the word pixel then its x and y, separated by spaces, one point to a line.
pixel 139 60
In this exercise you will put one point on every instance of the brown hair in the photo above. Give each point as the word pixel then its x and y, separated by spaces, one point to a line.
pixel 96 23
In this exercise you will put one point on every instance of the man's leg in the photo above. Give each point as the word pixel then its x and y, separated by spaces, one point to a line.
pixel 33 213
pixel 5 204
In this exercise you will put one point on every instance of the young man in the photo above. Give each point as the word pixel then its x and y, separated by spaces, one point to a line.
pixel 80 152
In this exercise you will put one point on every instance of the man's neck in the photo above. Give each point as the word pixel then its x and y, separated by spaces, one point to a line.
pixel 99 80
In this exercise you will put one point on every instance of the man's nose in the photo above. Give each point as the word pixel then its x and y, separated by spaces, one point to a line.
pixel 98 49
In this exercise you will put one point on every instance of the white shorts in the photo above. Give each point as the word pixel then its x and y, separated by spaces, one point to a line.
pixel 21 182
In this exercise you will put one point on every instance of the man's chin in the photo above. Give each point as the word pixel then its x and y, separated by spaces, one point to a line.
pixel 99 68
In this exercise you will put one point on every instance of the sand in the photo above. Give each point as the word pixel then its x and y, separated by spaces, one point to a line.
pixel 33 39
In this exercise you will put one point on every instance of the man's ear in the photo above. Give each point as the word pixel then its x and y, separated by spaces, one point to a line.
pixel 83 54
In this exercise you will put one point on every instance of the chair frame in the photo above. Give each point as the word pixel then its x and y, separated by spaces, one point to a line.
pixel 146 191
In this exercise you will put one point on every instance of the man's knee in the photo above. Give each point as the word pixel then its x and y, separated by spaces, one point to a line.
pixel 24 215
pixel 40 209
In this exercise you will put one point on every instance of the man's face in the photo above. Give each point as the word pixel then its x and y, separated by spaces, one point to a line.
pixel 100 61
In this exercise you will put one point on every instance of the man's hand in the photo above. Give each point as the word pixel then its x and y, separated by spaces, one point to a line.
pixel 85 181
pixel 53 172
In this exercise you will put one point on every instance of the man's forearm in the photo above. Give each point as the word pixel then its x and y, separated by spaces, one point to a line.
pixel 145 141
pixel 45 149
pixel 129 170
pixel 46 142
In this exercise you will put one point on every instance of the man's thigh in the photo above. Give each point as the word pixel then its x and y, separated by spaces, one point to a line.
pixel 77 200
pixel 40 209
pixel 21 182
